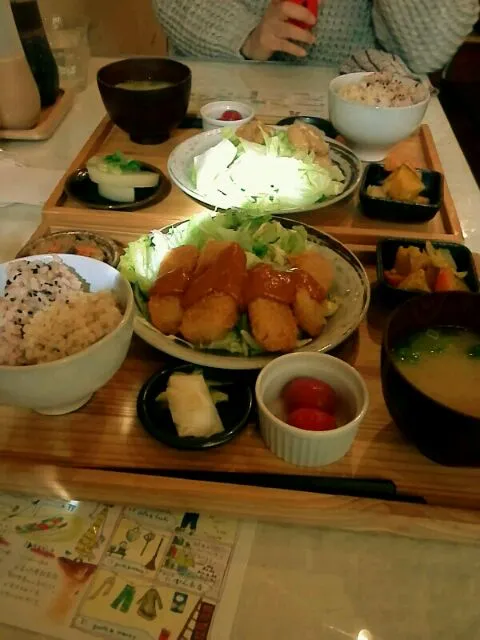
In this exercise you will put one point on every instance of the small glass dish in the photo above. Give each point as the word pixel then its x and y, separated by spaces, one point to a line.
pixel 398 210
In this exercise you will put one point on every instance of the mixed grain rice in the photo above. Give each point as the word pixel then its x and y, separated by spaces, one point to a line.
pixel 45 314
pixel 385 90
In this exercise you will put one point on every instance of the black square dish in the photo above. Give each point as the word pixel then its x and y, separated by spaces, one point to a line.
pixel 386 253
pixel 396 210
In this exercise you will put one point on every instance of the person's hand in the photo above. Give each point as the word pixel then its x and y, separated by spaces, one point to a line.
pixel 276 33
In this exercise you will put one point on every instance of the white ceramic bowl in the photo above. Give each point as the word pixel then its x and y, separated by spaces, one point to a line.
pixel 54 388
pixel 212 111
pixel 298 446
pixel 368 130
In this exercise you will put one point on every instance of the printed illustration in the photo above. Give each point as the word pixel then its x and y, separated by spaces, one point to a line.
pixel 74 571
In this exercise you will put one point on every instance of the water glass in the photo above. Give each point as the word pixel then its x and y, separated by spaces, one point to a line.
pixel 69 44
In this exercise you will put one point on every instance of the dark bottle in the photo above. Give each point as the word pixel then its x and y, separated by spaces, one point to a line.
pixel 37 50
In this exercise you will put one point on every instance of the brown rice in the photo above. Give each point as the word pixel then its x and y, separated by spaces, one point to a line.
pixel 385 90
pixel 45 315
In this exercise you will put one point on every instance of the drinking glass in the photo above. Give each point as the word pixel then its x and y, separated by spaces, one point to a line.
pixel 69 43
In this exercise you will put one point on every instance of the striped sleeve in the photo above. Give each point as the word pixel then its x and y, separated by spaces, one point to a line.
pixel 425 33
pixel 206 28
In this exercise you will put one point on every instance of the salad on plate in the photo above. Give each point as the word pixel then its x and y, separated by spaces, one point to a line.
pixel 231 283
pixel 279 169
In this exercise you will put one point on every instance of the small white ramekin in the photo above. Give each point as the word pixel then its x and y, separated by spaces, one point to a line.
pixel 298 446
pixel 213 110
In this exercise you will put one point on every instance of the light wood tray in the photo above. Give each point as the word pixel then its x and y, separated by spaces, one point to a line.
pixel 50 119
pixel 106 433
pixel 344 221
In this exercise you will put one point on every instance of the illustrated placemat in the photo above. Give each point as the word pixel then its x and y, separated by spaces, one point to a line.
pixel 73 570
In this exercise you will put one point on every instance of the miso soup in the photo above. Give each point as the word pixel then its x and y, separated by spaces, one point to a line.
pixel 443 363
pixel 144 85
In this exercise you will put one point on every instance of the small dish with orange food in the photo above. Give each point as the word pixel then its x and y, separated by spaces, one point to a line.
pixel 400 193
pixel 409 267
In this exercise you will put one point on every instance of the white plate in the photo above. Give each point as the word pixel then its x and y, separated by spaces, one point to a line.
pixel 180 163
pixel 350 285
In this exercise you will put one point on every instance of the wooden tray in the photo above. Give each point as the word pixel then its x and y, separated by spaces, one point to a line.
pixel 50 119
pixel 106 434
pixel 344 221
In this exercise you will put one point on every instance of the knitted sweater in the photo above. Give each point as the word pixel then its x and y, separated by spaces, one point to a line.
pixel 425 33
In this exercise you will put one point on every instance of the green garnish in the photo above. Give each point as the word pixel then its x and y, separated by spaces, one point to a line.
pixel 118 161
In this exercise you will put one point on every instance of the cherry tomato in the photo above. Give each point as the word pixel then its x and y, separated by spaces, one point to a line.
pixel 311 419
pixel 230 115
pixel 309 392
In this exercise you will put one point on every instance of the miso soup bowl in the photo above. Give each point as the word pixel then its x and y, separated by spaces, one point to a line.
pixel 298 446
pixel 442 434
pixel 148 116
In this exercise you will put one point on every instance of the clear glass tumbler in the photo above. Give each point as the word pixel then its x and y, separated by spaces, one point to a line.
pixel 69 44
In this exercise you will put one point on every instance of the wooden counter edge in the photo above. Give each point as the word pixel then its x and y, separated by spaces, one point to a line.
pixel 270 505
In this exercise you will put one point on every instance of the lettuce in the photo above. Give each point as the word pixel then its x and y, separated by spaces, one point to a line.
pixel 142 258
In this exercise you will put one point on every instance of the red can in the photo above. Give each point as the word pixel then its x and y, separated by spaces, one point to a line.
pixel 312 6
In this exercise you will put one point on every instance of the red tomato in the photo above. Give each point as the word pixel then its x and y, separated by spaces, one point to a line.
pixel 309 392
pixel 230 115
pixel 311 419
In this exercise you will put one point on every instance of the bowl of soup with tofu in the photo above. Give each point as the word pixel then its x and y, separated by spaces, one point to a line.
pixel 431 375
pixel 146 97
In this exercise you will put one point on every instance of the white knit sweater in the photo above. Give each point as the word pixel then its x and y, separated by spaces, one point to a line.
pixel 425 33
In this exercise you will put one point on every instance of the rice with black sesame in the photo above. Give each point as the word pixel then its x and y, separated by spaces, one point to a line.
pixel 385 90
pixel 45 315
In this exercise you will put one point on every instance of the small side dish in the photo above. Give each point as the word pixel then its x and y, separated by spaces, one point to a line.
pixel 79 243
pixel 194 408
pixel 427 270
pixel 47 314
pixel 192 404
pixel 310 406
pixel 117 176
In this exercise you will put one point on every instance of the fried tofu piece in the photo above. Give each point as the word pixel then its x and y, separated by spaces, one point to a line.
pixel 309 313
pixel 209 253
pixel 273 325
pixel 306 137
pixel 317 266
pixel 166 313
pixel 209 319
pixel 254 131
pixel 416 281
pixel 183 257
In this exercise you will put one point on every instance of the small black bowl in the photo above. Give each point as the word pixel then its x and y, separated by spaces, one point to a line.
pixel 396 210
pixel 387 250
pixel 157 420
pixel 324 125
pixel 84 191
pixel 442 434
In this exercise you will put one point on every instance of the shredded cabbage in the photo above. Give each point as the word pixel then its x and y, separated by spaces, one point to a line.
pixel 273 176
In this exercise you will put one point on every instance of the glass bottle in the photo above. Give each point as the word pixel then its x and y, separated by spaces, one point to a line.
pixel 37 49
pixel 19 95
